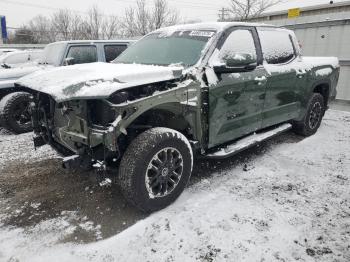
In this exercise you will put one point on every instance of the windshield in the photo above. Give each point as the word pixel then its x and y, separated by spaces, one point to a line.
pixel 53 54
pixel 181 47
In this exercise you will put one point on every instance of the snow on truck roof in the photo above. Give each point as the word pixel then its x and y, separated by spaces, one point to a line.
pixel 217 26
pixel 92 41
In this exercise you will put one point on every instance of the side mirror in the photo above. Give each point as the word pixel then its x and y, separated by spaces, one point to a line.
pixel 236 63
pixel 69 61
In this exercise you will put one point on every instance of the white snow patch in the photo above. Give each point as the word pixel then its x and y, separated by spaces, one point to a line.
pixel 324 72
pixel 106 182
pixel 22 150
pixel 96 79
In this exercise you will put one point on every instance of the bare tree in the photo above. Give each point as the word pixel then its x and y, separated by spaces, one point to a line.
pixel 142 17
pixel 142 20
pixel 162 15
pixel 62 22
pixel 23 35
pixel 242 10
pixel 110 27
pixel 76 28
pixel 136 20
pixel 66 25
pixel 42 29
pixel 94 22
pixel 128 23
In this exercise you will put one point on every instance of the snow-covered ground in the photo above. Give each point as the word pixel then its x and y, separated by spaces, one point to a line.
pixel 288 202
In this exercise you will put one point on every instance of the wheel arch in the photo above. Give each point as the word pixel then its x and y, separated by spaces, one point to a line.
pixel 14 89
pixel 170 115
pixel 322 87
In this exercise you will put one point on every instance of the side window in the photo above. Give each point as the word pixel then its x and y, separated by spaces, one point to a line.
pixel 17 58
pixel 277 46
pixel 113 51
pixel 240 41
pixel 83 54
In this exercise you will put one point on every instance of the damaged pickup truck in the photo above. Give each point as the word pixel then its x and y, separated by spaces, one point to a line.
pixel 204 90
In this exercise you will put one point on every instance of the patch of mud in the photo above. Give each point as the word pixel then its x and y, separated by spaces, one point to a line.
pixel 34 192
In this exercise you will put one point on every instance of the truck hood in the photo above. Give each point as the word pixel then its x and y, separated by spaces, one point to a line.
pixel 96 80
pixel 18 72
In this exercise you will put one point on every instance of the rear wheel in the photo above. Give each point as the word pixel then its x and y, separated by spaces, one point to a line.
pixel 14 112
pixel 155 168
pixel 313 117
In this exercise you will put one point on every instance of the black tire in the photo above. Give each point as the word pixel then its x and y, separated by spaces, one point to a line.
pixel 14 113
pixel 313 117
pixel 134 170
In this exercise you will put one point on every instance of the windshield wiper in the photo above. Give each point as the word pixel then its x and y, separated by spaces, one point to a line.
pixel 5 66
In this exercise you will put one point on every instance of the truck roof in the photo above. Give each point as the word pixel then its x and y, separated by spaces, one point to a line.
pixel 217 26
pixel 94 41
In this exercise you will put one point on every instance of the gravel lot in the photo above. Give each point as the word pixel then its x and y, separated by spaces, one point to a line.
pixel 287 199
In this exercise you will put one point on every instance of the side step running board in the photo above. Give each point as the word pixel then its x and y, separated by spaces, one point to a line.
pixel 247 142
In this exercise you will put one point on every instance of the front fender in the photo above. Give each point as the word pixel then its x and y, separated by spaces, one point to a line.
pixel 128 112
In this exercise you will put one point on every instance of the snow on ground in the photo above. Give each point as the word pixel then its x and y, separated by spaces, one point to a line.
pixel 20 148
pixel 291 203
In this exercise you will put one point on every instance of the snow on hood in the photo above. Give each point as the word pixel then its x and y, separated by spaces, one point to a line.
pixel 96 79
pixel 17 72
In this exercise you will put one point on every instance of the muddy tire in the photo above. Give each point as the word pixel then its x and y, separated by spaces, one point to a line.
pixel 313 117
pixel 155 168
pixel 14 112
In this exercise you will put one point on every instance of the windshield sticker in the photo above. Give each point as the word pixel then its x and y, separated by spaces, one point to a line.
pixel 201 33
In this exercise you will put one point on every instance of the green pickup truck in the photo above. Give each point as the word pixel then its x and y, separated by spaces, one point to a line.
pixel 200 90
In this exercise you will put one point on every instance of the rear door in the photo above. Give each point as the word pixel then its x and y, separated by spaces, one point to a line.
pixel 280 61
pixel 236 100
pixel 112 51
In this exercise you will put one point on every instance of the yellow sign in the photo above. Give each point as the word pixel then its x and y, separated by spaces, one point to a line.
pixel 295 12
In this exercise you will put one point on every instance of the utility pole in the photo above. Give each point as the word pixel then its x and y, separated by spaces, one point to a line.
pixel 223 14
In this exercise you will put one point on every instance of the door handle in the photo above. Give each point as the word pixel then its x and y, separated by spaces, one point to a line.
pixel 260 80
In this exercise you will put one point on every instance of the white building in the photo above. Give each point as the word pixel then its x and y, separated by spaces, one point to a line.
pixel 323 29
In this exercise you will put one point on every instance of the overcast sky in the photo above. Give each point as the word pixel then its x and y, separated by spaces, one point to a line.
pixel 18 12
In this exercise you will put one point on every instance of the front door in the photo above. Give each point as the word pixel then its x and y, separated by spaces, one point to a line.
pixel 236 99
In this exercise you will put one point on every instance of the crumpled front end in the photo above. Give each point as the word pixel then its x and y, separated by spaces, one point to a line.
pixel 99 130
pixel 71 128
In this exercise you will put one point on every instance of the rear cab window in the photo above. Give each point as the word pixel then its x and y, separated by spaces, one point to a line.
pixel 113 51
pixel 82 54
pixel 277 45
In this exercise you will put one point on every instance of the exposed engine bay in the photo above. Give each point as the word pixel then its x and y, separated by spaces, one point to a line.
pixel 101 129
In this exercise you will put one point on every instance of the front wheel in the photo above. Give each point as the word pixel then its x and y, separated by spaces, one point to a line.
pixel 155 168
pixel 14 112
pixel 313 117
